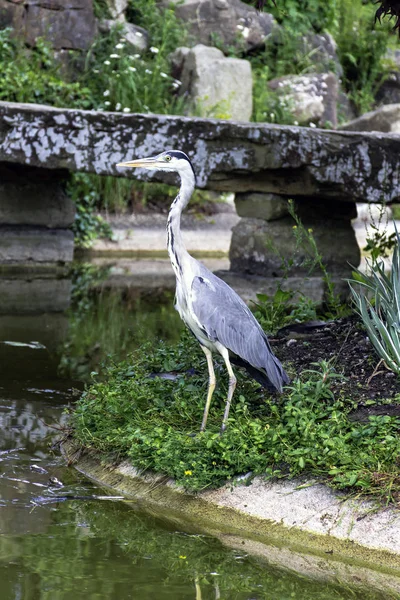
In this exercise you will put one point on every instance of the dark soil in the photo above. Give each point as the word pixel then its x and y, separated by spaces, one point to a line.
pixel 345 344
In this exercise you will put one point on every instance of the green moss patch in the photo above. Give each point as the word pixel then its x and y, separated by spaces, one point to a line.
pixel 149 409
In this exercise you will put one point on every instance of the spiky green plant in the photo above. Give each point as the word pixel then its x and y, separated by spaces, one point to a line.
pixel 377 301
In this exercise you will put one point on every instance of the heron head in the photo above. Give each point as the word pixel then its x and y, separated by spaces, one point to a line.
pixel 171 160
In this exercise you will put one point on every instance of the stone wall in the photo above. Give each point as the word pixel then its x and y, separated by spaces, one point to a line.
pixel 67 24
pixel 326 172
pixel 292 161
pixel 35 217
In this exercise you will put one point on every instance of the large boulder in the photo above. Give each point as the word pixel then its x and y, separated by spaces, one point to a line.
pixel 385 119
pixel 310 98
pixel 68 24
pixel 230 22
pixel 216 86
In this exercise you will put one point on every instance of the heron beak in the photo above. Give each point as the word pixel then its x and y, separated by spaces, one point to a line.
pixel 144 163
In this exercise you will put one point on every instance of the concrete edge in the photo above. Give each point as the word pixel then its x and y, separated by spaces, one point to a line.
pixel 298 547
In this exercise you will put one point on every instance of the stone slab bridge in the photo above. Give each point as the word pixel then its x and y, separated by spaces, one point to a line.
pixel 325 172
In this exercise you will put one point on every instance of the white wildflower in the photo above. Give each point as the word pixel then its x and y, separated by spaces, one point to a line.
pixel 133 69
pixel 295 122
pixel 118 106
pixel 107 103
pixel 154 50
pixel 107 62
pixel 96 71
pixel 312 125
pixel 148 71
pixel 139 33
pixel 240 27
pixel 114 56
pixel 164 75
pixel 106 93
pixel 126 109
pixel 119 46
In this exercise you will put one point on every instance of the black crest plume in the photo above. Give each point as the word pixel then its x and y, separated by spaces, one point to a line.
pixel 390 8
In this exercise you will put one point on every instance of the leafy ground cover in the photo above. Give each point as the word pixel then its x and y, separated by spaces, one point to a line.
pixel 339 419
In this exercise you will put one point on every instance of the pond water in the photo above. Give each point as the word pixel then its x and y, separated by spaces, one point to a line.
pixel 61 536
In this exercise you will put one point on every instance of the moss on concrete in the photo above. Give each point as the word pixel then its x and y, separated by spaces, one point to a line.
pixel 321 556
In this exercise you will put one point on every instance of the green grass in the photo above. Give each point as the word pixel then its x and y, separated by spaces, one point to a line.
pixel 154 422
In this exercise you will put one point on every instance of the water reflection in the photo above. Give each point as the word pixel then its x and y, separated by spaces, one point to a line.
pixel 53 544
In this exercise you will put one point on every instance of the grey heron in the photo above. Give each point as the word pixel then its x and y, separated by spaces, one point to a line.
pixel 211 310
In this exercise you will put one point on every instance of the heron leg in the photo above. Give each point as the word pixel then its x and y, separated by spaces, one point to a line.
pixel 231 387
pixel 211 385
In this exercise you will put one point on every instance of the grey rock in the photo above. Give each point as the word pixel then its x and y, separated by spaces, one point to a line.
pixel 35 294
pixel 315 288
pixel 346 110
pixel 29 246
pixel 117 8
pixel 321 50
pixel 385 119
pixel 268 207
pixel 135 36
pixel 389 91
pixel 393 55
pixel 29 197
pixel 216 86
pixel 310 98
pixel 227 156
pixel 65 23
pixel 231 22
pixel 11 14
pixel 259 247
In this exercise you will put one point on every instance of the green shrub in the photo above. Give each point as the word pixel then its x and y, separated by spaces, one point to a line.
pixel 32 75
pixel 154 421
pixel 88 226
pixel 304 15
pixel 377 299
pixel 361 49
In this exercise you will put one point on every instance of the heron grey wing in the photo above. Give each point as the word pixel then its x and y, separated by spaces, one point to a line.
pixel 227 319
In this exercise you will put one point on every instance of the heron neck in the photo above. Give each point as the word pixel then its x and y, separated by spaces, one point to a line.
pixel 176 248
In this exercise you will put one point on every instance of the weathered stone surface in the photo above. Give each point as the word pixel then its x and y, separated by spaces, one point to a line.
pixel 258 246
pixel 30 196
pixel 321 50
pixel 65 23
pixel 27 246
pixel 314 287
pixel 233 22
pixel 254 205
pixel 346 110
pixel 240 157
pixel 11 14
pixel 33 295
pixel 117 8
pixel 310 98
pixel 389 90
pixel 217 86
pixel 135 36
pixel 385 119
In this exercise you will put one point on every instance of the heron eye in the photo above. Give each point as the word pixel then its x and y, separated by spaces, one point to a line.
pixel 168 158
